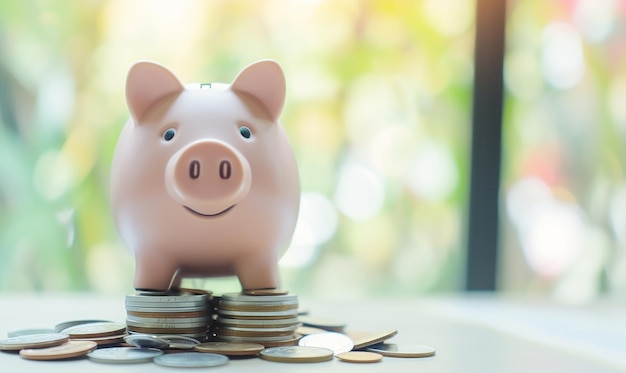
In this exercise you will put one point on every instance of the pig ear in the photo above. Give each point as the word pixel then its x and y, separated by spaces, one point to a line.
pixel 146 83
pixel 266 82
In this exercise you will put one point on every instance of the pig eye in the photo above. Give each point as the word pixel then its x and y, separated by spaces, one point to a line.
pixel 245 132
pixel 169 134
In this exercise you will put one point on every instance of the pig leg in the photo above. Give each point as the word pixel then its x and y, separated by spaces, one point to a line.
pixel 154 272
pixel 257 272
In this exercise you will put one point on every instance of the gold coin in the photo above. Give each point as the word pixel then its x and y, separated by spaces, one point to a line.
pixel 65 351
pixel 359 357
pixel 265 292
pixel 297 354
pixel 230 348
pixel 365 339
pixel 396 350
pixel 94 330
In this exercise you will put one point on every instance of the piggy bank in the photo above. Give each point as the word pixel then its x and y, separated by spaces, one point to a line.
pixel 203 181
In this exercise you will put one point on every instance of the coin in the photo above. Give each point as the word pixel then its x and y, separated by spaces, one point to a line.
pixel 97 329
pixel 18 333
pixel 336 342
pixel 258 323
pixel 146 341
pixel 67 350
pixel 265 292
pixel 396 350
pixel 64 325
pixel 179 325
pixel 167 299
pixel 326 324
pixel 306 330
pixel 359 357
pixel 166 310
pixel 252 298
pixel 264 314
pixel 107 340
pixel 167 320
pixel 230 348
pixel 33 341
pixel 365 339
pixel 180 342
pixel 297 354
pixel 124 355
pixel 191 360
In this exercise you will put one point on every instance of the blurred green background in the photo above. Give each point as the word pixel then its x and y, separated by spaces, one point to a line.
pixel 378 111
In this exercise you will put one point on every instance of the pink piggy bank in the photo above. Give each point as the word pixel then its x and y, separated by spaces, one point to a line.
pixel 203 180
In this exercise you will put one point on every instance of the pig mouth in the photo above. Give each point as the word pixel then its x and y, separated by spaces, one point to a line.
pixel 208 215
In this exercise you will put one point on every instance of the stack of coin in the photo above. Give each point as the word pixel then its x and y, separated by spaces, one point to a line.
pixel 269 320
pixel 184 313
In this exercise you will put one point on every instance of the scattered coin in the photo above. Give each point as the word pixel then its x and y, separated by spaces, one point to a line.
pixel 191 360
pixel 230 348
pixel 18 333
pixel 326 324
pixel 359 357
pixel 297 354
pixel 146 341
pixel 124 355
pixel 180 342
pixel 95 330
pixel 396 350
pixel 306 330
pixel 33 341
pixel 365 339
pixel 336 342
pixel 67 324
pixel 107 340
pixel 67 350
pixel 265 292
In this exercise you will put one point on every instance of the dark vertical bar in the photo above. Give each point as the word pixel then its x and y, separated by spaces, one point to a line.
pixel 483 219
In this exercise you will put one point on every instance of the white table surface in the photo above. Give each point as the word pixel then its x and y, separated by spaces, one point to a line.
pixel 478 333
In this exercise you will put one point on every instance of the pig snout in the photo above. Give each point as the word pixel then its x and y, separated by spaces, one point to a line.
pixel 208 177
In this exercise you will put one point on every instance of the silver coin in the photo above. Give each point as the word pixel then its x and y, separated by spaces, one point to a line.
pixel 124 355
pixel 230 338
pixel 143 299
pixel 181 325
pixel 191 360
pixel 68 324
pixel 259 330
pixel 146 341
pixel 400 350
pixel 33 341
pixel 180 342
pixel 168 320
pixel 258 322
pixel 233 303
pixel 326 324
pixel 19 333
pixel 165 309
pixel 156 306
pixel 333 341
pixel 297 354
pixel 293 312
pixel 258 299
